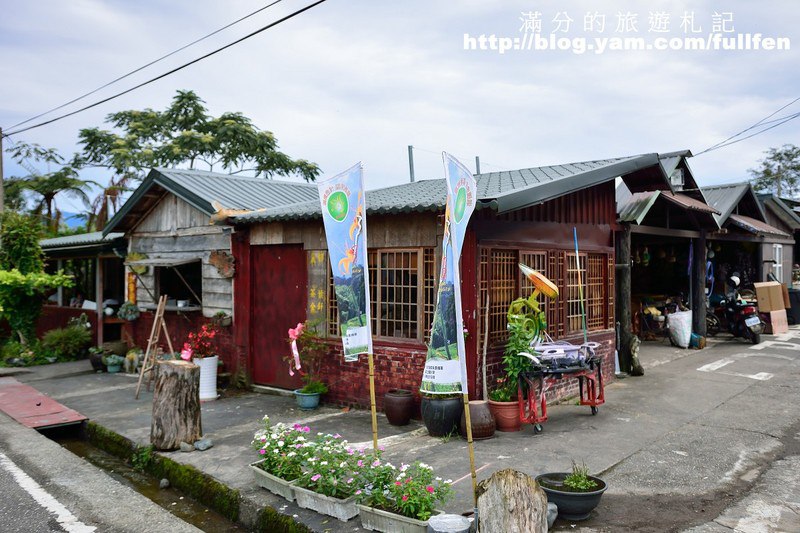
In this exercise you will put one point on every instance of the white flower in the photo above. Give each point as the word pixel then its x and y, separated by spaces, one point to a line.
pixel 280 444
pixel 323 463
pixel 276 450
pixel 291 454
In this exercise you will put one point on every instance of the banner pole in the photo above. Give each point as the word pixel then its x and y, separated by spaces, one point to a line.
pixel 372 403
pixel 474 475
pixel 580 283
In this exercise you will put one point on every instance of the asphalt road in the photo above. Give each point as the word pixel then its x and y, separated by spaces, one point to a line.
pixel 19 512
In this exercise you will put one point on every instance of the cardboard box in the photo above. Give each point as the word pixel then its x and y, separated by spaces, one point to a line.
pixel 770 296
pixel 778 322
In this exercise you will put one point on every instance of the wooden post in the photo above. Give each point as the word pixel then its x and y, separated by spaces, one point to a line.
pixel 99 299
pixel 698 297
pixel 176 405
pixel 623 295
pixel 60 290
pixel 372 403
pixel 468 422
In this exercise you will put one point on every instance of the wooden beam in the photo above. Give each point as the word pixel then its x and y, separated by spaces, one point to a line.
pixel 698 296
pixel 99 299
pixel 665 232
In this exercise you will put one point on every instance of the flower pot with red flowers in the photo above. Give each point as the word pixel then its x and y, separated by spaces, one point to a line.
pixel 201 349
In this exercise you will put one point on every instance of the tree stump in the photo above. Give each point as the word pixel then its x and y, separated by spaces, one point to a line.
pixel 176 405
pixel 511 502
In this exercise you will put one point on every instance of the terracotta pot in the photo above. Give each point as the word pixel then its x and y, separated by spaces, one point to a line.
pixel 481 420
pixel 398 404
pixel 441 415
pixel 506 415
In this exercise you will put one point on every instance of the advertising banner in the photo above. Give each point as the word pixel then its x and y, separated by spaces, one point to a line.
pixel 344 216
pixel 446 367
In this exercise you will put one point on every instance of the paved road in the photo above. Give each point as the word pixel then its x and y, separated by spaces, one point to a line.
pixel 18 510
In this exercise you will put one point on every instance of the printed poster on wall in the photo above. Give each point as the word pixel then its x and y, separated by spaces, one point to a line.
pixel 344 215
pixel 446 366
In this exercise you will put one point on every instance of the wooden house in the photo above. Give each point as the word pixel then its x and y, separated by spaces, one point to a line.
pixel 173 249
pixel 527 215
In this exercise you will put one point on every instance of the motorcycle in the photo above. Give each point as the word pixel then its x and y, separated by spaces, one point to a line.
pixel 738 316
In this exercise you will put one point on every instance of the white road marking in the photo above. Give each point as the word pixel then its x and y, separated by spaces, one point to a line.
pixel 89 391
pixel 776 344
pixel 66 519
pixel 761 376
pixel 462 478
pixel 392 440
pixel 716 365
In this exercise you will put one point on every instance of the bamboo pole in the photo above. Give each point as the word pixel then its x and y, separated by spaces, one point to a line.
pixel 372 403
pixel 468 422
pixel 580 283
pixel 485 346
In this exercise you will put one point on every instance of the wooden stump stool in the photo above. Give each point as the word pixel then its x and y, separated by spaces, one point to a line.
pixel 512 502
pixel 176 405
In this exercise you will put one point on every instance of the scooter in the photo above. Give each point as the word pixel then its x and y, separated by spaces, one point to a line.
pixel 740 317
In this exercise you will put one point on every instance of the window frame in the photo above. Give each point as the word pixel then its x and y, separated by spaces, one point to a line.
pixel 777 256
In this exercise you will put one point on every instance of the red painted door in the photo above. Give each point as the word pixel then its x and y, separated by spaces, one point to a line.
pixel 279 290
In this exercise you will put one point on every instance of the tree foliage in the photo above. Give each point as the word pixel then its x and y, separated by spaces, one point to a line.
pixel 23 283
pixel 779 172
pixel 44 186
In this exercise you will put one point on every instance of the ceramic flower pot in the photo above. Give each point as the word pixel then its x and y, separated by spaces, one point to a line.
pixel 208 377
pixel 506 415
pixel 441 415
pixel 398 404
pixel 572 505
pixel 306 401
pixel 113 369
pixel 481 418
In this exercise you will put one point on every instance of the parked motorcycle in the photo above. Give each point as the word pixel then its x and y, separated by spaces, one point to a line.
pixel 738 316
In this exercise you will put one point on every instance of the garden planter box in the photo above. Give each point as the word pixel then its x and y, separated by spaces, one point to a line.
pixel 344 510
pixel 274 484
pixel 374 519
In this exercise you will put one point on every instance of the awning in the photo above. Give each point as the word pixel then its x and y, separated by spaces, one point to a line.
pixel 756 226
pixel 687 202
pixel 163 261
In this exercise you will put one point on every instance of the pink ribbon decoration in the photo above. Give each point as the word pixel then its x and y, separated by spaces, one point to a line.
pixel 294 334
pixel 186 353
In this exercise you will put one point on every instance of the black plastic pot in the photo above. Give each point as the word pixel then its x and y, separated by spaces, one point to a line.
pixel 441 415
pixel 571 505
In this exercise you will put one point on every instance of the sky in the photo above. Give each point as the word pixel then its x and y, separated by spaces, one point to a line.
pixel 360 80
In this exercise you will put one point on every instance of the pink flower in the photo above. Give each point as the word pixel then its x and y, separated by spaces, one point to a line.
pixel 429 489
pixel 262 452
pixel 294 333
pixel 405 497
pixel 315 477
pixel 360 462
pixel 376 462
pixel 397 483
pixel 186 353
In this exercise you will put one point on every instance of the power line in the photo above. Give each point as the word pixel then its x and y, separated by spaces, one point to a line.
pixel 170 72
pixel 151 63
pixel 725 142
pixel 779 123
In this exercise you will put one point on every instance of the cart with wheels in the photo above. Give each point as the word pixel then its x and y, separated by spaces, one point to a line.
pixel 552 363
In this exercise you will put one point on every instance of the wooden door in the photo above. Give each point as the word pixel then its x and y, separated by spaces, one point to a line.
pixel 279 282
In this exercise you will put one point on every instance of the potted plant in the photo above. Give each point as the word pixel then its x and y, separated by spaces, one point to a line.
pixel 400 500
pixel 441 413
pixel 113 362
pixel 96 359
pixel 128 311
pixel 201 349
pixel 308 352
pixel 222 319
pixel 575 493
pixel 282 450
pixel 526 322
pixel 328 482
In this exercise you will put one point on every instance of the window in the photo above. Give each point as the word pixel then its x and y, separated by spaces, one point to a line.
pixel 180 282
pixel 402 288
pixel 777 255
pixel 502 281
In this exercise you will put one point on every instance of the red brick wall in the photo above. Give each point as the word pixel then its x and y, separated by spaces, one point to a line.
pixel 401 368
pixel 53 317
pixel 179 326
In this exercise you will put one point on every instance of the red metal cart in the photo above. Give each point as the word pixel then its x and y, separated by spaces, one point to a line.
pixel 549 368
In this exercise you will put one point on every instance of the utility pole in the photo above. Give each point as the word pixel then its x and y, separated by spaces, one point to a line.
pixel 411 162
pixel 477 164
pixel 2 185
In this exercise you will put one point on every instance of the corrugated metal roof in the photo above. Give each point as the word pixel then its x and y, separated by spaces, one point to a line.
pixel 781 210
pixel 687 202
pixel 636 206
pixel 200 189
pixel 725 198
pixel 83 239
pixel 503 191
pixel 756 226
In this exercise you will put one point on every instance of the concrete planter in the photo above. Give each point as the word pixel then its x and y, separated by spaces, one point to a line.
pixel 374 519
pixel 274 484
pixel 344 510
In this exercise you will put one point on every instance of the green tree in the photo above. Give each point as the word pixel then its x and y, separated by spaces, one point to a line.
pixel 779 172
pixel 185 134
pixel 45 186
pixel 23 282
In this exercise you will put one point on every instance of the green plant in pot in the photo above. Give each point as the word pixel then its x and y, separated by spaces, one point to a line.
pixel 307 355
pixel 576 493
pixel 113 362
pixel 526 322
